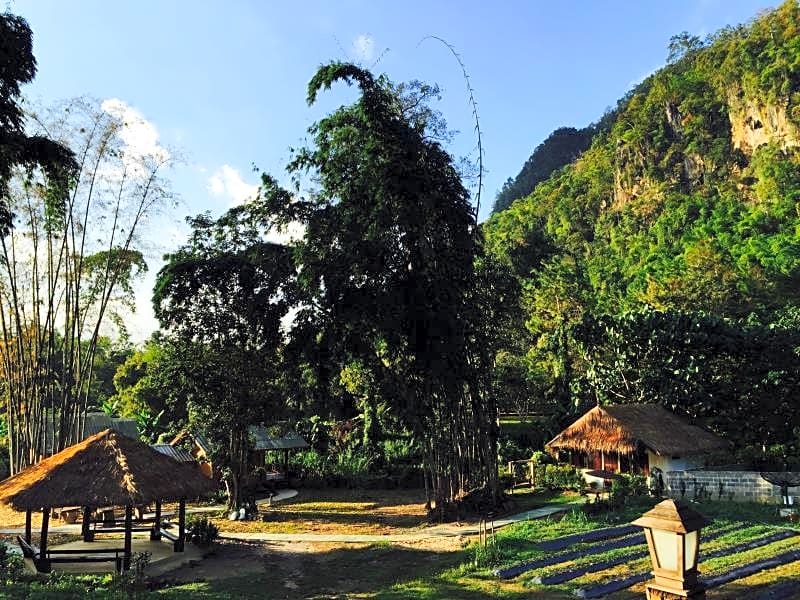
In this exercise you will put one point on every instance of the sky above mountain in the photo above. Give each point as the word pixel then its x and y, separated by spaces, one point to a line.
pixel 223 84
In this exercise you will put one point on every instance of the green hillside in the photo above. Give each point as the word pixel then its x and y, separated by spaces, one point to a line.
pixel 687 206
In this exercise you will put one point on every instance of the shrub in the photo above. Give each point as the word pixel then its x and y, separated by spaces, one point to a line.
pixel 637 484
pixel 560 477
pixel 488 555
pixel 541 458
pixel 202 532
pixel 11 565
pixel 620 490
pixel 132 583
pixel 507 481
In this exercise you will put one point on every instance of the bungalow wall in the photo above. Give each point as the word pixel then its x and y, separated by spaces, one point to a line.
pixel 674 463
pixel 608 461
pixel 742 486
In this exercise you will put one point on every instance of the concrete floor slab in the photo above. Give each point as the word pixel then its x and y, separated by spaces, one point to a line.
pixel 162 556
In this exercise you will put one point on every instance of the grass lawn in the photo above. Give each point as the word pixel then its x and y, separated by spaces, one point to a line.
pixel 339 511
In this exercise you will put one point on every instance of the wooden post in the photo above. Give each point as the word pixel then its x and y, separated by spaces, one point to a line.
pixel 286 462
pixel 155 533
pixel 532 470
pixel 126 561
pixel 86 525
pixel 45 526
pixel 28 526
pixel 181 525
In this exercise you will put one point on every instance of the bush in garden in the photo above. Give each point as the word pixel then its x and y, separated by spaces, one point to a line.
pixel 560 477
pixel 620 490
pixel 507 481
pixel 11 565
pixel 202 532
pixel 637 484
pixel 541 458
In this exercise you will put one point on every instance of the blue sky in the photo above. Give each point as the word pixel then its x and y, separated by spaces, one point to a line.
pixel 225 82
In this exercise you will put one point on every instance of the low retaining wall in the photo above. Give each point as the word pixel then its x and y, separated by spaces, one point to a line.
pixel 743 486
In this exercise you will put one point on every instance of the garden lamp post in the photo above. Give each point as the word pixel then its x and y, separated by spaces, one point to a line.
pixel 672 530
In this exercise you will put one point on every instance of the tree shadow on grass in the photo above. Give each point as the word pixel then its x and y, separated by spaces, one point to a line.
pixel 781 587
pixel 383 572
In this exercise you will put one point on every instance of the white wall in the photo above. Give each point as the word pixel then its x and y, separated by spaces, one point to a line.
pixel 667 463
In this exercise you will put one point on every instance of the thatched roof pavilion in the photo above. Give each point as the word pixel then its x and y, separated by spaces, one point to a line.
pixel 106 469
pixel 634 429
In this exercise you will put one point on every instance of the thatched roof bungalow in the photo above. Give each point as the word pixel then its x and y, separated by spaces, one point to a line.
pixel 635 438
pixel 106 469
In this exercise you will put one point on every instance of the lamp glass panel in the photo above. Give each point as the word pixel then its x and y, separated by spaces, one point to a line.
pixel 690 549
pixel 666 545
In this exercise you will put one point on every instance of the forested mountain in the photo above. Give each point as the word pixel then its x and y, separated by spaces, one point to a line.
pixel 560 148
pixel 683 216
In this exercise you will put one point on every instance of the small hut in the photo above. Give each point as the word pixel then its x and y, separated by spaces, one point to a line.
pixel 176 452
pixel 634 438
pixel 198 448
pixel 263 442
pixel 105 470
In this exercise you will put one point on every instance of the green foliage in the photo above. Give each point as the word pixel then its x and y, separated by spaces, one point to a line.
pixel 487 555
pixel 396 291
pixel 220 298
pixel 11 564
pixel 678 242
pixel 719 372
pixel 559 477
pixel 560 148
pixel 202 532
pixel 146 390
pixel 17 67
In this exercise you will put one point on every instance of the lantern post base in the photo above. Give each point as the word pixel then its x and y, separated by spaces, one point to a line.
pixel 657 592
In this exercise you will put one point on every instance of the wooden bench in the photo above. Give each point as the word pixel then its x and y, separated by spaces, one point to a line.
pixel 177 542
pixel 44 564
pixel 28 550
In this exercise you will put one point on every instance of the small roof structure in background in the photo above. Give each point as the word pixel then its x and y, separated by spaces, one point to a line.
pixel 175 452
pixel 626 428
pixel 94 423
pixel 197 439
pixel 263 441
pixel 97 422
pixel 106 469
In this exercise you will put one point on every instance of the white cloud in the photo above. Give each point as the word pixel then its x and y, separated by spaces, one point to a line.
pixel 292 232
pixel 227 181
pixel 364 47
pixel 139 136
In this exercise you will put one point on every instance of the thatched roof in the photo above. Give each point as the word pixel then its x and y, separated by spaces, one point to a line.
pixel 627 427
pixel 105 469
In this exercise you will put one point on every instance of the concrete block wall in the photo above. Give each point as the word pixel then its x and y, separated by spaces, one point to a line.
pixel 747 486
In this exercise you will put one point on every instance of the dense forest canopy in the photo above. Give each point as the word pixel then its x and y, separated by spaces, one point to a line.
pixel 687 206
